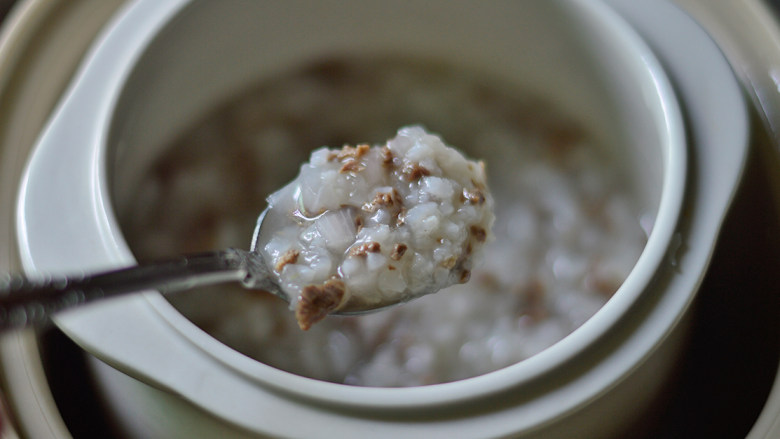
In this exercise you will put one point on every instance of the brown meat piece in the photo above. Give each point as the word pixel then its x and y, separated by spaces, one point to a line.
pixel 384 199
pixel 317 301
pixel 353 166
pixel 349 152
pixel 365 249
pixel 387 157
pixel 479 233
pixel 290 257
pixel 415 171
pixel 398 251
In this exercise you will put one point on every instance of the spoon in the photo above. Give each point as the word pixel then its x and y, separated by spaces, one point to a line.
pixel 26 302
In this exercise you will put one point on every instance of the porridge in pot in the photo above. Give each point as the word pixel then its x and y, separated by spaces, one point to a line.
pixel 568 228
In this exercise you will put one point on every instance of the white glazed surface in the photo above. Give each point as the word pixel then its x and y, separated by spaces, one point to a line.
pixel 192 385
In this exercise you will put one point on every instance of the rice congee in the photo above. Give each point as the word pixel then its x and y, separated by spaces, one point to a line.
pixel 568 227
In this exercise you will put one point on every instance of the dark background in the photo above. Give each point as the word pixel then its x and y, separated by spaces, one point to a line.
pixel 5 5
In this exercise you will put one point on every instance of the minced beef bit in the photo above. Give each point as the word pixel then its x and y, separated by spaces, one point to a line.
pixel 365 249
pixel 415 171
pixel 478 233
pixel 387 156
pixel 349 152
pixel 384 199
pixel 353 166
pixel 398 251
pixel 289 257
pixel 317 301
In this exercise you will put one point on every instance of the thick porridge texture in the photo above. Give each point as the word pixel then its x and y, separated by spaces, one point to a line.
pixel 363 227
pixel 567 225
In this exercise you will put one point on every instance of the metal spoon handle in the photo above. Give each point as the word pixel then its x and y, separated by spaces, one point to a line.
pixel 27 302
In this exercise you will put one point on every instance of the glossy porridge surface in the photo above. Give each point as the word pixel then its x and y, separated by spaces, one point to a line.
pixel 365 227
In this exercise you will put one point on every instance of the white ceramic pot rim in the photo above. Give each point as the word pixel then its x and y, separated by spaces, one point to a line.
pixel 665 110
pixel 664 107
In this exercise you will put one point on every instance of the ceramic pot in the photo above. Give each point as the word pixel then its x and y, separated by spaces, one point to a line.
pixel 160 65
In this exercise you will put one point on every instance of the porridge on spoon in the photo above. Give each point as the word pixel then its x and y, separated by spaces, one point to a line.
pixel 365 226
